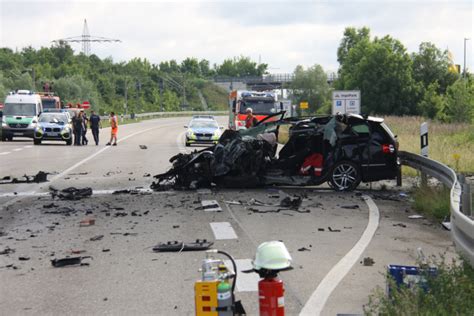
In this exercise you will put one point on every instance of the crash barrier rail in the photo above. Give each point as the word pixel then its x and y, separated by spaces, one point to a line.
pixel 462 221
pixel 169 114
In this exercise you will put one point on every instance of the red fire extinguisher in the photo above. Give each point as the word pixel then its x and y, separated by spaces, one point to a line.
pixel 271 296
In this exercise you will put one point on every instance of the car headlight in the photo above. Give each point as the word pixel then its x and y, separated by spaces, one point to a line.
pixel 66 130
pixel 217 134
pixel 190 134
pixel 39 130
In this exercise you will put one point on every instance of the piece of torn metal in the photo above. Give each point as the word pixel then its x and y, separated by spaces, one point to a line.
pixel 178 246
pixel 71 193
pixel 40 177
pixel 334 230
pixel 233 202
pixel 69 261
pixel 96 238
pixel 350 207
pixel 143 146
pixel 210 206
pixel 416 216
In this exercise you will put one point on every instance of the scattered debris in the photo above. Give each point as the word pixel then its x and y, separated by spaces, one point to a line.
pixel 178 246
pixel 41 176
pixel 304 249
pixel 350 207
pixel 146 175
pixel 203 191
pixel 7 251
pixel 175 226
pixel 209 206
pixel 58 263
pixel 416 216
pixel 400 224
pixel 71 193
pixel 50 205
pixel 368 261
pixel 79 173
pixel 254 210
pixel 23 258
pixel 65 210
pixel 291 202
pixel 105 250
pixel 386 197
pixel 334 230
pixel 87 222
pixel 233 202
pixel 77 251
pixel 96 238
pixel 143 147
pixel 320 229
pixel 120 214
pixel 446 225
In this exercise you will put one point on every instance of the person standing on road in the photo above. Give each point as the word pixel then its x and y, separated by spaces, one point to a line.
pixel 114 129
pixel 77 128
pixel 95 123
pixel 85 120
pixel 250 120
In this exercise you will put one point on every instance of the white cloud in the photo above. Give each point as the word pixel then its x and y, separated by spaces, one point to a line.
pixel 283 33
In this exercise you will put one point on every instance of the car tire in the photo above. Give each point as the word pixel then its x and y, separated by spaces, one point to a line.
pixel 37 141
pixel 69 142
pixel 4 138
pixel 187 144
pixel 345 176
pixel 10 138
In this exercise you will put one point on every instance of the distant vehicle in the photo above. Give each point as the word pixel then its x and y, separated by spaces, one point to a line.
pixel 20 114
pixel 49 100
pixel 196 116
pixel 53 126
pixel 202 131
pixel 262 103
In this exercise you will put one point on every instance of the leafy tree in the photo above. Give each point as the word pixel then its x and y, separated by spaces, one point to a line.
pixel 459 106
pixel 240 67
pixel 311 86
pixel 351 38
pixel 432 101
pixel 76 89
pixel 191 66
pixel 431 65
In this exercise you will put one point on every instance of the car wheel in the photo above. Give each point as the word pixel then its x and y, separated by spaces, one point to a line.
pixel 187 144
pixel 37 141
pixel 345 176
pixel 4 139
pixel 69 142
pixel 10 138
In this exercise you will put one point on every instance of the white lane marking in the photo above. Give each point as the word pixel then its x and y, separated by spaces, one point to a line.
pixel 4 153
pixel 246 282
pixel 318 299
pixel 29 146
pixel 223 230
pixel 62 174
pixel 17 149
pixel 179 143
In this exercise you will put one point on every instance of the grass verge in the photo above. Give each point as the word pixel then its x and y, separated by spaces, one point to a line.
pixel 432 201
pixel 449 292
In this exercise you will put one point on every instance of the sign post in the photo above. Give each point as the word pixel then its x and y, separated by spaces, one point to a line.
pixel 304 106
pixel 424 148
pixel 346 101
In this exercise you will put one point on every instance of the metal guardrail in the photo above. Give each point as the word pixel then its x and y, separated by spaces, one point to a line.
pixel 169 114
pixel 462 221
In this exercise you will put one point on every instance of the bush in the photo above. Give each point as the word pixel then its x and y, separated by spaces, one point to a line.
pixel 449 292
pixel 432 201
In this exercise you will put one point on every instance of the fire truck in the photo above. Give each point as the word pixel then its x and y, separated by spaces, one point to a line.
pixel 48 99
pixel 262 103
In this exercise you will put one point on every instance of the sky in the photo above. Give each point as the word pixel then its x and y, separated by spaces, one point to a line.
pixel 282 34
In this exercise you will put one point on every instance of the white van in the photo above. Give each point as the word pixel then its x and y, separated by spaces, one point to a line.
pixel 20 114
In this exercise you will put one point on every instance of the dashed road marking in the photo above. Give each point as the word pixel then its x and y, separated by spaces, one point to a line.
pixel 17 149
pixel 315 304
pixel 223 230
pixel 5 153
pixel 246 282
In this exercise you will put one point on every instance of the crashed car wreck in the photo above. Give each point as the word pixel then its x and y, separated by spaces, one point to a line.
pixel 342 150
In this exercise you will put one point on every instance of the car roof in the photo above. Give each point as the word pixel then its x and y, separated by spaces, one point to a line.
pixel 203 116
pixel 203 120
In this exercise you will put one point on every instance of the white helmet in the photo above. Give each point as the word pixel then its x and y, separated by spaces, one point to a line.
pixel 272 255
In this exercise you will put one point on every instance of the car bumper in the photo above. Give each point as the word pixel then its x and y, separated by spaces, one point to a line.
pixel 53 136
pixel 199 140
pixel 18 132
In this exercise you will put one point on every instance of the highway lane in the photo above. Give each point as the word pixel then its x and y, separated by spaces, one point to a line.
pixel 130 279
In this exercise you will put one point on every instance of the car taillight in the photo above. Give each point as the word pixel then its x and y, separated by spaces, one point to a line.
pixel 388 149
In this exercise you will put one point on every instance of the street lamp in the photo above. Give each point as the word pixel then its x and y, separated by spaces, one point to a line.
pixel 464 72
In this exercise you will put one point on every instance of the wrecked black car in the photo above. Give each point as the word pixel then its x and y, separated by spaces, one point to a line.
pixel 342 150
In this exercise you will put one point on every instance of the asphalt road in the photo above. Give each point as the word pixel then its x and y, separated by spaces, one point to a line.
pixel 326 240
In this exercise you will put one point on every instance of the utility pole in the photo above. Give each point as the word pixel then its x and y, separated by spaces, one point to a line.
pixel 464 72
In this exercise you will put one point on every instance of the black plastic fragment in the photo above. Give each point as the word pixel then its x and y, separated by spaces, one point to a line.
pixel 175 246
pixel 58 263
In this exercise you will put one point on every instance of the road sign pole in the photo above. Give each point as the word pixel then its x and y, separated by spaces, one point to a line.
pixel 424 149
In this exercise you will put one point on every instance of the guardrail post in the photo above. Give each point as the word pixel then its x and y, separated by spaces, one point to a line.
pixel 424 149
pixel 466 199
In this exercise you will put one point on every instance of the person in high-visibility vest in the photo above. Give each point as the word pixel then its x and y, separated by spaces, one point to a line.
pixel 114 129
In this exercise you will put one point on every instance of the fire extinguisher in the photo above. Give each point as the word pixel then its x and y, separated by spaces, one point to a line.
pixel 271 296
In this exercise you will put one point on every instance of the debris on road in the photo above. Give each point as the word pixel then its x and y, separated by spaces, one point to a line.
pixel 146 175
pixel 23 258
pixel 350 207
pixel 87 222
pixel 58 263
pixel 203 191
pixel 304 249
pixel 291 202
pixel 143 147
pixel 79 173
pixel 209 206
pixel 233 202
pixel 334 230
pixel 77 251
pixel 320 229
pixel 7 251
pixel 416 216
pixel 65 210
pixel 175 226
pixel 71 193
pixel 400 225
pixel 41 176
pixel 96 238
pixel 368 261
pixel 50 205
pixel 178 246
pixel 446 225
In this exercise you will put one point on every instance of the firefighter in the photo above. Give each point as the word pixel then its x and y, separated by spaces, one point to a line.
pixel 250 120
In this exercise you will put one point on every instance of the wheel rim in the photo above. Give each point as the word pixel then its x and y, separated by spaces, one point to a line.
pixel 344 176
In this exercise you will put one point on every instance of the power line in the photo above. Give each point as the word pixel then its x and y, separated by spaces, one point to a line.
pixel 86 39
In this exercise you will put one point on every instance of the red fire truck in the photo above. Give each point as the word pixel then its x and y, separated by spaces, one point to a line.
pixel 262 103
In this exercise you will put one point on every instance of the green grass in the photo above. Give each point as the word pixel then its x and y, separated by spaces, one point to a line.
pixel 450 292
pixel 432 201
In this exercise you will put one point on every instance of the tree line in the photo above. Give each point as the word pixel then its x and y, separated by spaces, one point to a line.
pixel 143 86
pixel 391 81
